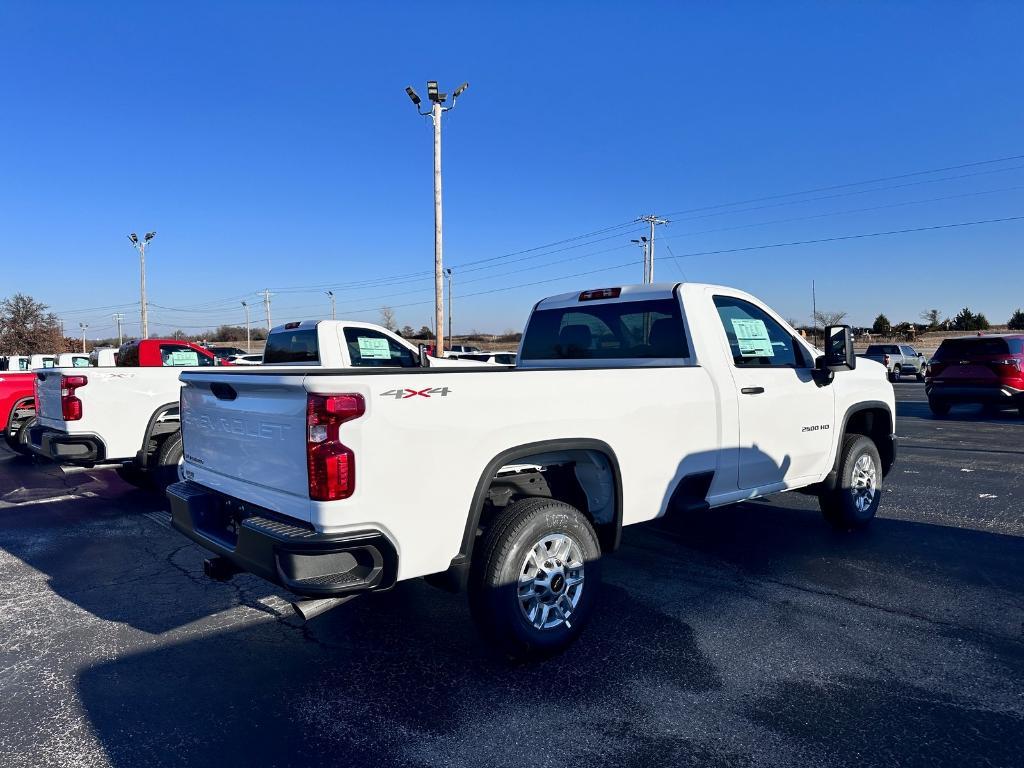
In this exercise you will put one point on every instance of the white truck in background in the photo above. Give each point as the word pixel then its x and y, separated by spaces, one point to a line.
pixel 625 404
pixel 127 416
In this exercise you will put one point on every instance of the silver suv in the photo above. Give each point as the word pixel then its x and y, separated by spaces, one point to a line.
pixel 899 359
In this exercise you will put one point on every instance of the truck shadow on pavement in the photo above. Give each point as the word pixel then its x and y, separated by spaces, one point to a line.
pixel 402 678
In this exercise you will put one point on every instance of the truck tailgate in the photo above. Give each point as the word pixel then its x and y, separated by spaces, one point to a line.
pixel 247 428
pixel 48 407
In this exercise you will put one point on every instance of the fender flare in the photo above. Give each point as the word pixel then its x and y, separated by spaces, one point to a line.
pixel 867 405
pixel 163 410
pixel 20 402
pixel 609 535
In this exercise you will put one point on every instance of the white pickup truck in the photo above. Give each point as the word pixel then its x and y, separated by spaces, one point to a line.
pixel 626 403
pixel 128 415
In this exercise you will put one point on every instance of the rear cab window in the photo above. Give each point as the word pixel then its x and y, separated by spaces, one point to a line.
pixel 300 345
pixel 372 349
pixel 627 330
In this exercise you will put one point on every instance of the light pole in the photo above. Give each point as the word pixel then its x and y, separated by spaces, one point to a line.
pixel 118 317
pixel 451 326
pixel 83 326
pixel 653 221
pixel 248 341
pixel 140 246
pixel 331 294
pixel 642 242
pixel 437 109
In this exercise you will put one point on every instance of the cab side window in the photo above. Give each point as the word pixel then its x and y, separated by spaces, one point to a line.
pixel 178 355
pixel 756 339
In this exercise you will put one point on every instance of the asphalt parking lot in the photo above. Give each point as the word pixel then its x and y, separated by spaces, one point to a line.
pixel 752 635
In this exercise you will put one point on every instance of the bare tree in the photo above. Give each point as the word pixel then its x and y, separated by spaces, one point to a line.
pixel 387 318
pixel 27 327
pixel 931 316
pixel 823 318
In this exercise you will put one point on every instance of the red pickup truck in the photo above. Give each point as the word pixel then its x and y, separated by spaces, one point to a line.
pixel 16 405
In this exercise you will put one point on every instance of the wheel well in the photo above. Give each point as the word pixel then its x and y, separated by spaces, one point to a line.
pixel 875 423
pixel 164 422
pixel 583 478
pixel 582 472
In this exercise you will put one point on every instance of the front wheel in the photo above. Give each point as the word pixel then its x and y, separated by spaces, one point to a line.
pixel 535 584
pixel 855 499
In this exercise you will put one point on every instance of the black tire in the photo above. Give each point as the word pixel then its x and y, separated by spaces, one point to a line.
pixel 133 475
pixel 16 437
pixel 504 555
pixel 921 375
pixel 938 408
pixel 840 506
pixel 895 374
pixel 164 470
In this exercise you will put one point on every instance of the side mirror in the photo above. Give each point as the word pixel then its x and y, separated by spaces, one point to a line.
pixel 839 347
pixel 424 358
pixel 920 354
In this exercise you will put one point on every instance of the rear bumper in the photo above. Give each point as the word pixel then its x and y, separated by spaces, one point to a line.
pixel 282 550
pixel 973 393
pixel 86 449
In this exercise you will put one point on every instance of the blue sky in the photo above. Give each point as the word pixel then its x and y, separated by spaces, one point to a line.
pixel 271 145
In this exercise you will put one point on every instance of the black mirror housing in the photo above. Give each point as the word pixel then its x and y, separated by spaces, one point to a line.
pixel 839 347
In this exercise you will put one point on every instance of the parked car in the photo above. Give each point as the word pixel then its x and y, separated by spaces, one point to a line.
pixel 226 353
pixel 984 370
pixel 626 403
pixel 899 359
pixel 126 415
pixel 461 349
pixel 246 359
pixel 495 358
pixel 72 360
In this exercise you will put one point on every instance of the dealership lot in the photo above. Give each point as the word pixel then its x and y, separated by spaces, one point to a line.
pixel 747 635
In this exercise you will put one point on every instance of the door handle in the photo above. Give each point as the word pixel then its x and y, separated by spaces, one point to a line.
pixel 752 390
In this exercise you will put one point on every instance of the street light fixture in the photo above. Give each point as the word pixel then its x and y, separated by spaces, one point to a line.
pixel 331 294
pixel 437 99
pixel 141 248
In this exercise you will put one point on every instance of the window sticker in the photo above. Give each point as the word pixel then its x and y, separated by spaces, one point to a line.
pixel 752 338
pixel 184 357
pixel 373 349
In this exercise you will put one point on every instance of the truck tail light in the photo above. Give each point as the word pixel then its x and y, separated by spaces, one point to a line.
pixel 71 406
pixel 36 402
pixel 1010 362
pixel 331 465
pixel 600 293
pixel 885 360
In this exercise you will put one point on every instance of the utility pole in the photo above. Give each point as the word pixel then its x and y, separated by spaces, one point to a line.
pixel 248 339
pixel 451 328
pixel 814 312
pixel 642 242
pixel 118 317
pixel 140 246
pixel 333 315
pixel 653 221
pixel 83 326
pixel 266 306
pixel 437 109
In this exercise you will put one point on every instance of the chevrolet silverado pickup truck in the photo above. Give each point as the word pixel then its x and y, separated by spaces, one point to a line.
pixel 127 416
pixel 626 404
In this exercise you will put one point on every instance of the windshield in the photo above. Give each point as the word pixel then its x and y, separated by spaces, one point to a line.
pixel 978 347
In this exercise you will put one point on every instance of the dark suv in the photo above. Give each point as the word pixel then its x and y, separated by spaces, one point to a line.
pixel 984 369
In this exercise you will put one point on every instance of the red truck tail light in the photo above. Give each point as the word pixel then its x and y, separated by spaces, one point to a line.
pixel 71 406
pixel 332 465
pixel 600 293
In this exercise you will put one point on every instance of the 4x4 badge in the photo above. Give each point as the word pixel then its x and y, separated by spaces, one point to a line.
pixel 405 394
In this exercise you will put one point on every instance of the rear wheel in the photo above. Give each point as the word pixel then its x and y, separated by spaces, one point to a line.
pixel 16 436
pixel 921 375
pixel 896 373
pixel 535 584
pixel 938 408
pixel 855 499
pixel 167 466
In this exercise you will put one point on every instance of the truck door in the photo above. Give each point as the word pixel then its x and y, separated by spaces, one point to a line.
pixel 786 420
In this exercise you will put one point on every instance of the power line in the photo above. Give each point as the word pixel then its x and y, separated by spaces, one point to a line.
pixel 849 184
